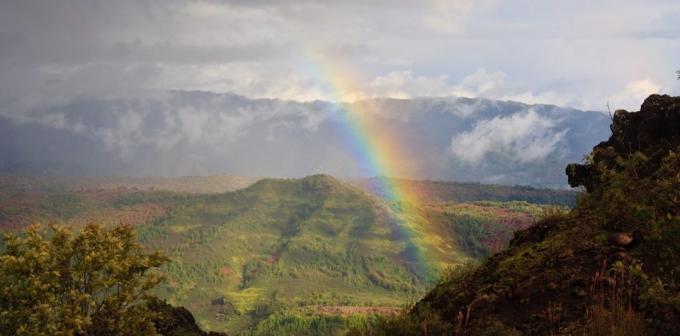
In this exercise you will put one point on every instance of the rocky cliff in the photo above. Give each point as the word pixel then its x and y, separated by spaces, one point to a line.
pixel 611 266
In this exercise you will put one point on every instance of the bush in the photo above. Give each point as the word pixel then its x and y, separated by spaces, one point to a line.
pixel 53 282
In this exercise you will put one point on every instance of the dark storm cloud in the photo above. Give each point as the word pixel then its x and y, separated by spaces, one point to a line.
pixel 618 51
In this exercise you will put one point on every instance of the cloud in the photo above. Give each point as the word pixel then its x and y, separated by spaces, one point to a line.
pixel 634 93
pixel 449 16
pixel 568 53
pixel 480 83
pixel 522 137
pixel 496 85
pixel 181 118
pixel 403 84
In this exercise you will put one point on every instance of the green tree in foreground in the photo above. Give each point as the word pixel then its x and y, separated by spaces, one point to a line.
pixel 96 282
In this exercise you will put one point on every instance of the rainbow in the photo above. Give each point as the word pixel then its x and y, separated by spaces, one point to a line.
pixel 381 154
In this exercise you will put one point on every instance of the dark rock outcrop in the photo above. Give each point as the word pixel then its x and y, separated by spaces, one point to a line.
pixel 652 131
pixel 549 280
pixel 177 321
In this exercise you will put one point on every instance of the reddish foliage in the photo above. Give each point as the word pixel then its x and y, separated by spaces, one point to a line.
pixel 356 310
pixel 274 259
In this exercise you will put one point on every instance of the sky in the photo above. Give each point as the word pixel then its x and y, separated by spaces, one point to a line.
pixel 577 53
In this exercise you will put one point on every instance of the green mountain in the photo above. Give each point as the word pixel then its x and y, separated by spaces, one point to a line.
pixel 611 266
pixel 285 255
pixel 305 243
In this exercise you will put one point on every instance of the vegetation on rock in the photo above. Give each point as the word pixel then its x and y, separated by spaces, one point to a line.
pixel 611 266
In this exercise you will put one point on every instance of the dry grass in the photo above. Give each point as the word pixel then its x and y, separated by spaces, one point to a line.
pixel 552 212
pixel 554 317
pixel 610 311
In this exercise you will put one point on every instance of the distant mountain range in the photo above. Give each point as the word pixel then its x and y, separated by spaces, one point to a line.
pixel 182 133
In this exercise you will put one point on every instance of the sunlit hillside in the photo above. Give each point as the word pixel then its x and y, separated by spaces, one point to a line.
pixel 303 247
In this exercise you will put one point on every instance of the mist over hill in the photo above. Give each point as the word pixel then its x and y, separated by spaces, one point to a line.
pixel 178 133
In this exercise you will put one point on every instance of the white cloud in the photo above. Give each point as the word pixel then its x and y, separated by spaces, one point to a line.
pixel 480 83
pixel 634 93
pixel 449 16
pixel 522 137
pixel 403 84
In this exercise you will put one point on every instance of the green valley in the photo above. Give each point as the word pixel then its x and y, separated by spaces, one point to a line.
pixel 285 255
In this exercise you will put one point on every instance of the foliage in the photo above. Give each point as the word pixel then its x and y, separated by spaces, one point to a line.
pixel 316 242
pixel 54 282
pixel 283 324
pixel 422 320
pixel 405 324
pixel 457 192
pixel 648 205
pixel 628 219
pixel 484 227
pixel 610 309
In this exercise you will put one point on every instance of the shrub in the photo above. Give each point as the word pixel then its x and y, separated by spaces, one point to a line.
pixel 53 282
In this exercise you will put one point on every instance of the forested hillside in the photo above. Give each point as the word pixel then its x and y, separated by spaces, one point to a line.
pixel 314 253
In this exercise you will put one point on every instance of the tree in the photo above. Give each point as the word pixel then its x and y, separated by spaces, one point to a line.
pixel 95 282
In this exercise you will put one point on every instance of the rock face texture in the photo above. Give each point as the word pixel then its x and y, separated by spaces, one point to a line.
pixel 177 321
pixel 653 131
pixel 612 262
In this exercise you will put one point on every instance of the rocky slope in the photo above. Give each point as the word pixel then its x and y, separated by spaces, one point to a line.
pixel 177 321
pixel 611 266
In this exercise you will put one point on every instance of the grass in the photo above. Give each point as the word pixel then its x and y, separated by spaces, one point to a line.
pixel 610 311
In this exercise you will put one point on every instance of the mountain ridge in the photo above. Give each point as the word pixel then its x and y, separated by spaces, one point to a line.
pixel 202 133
